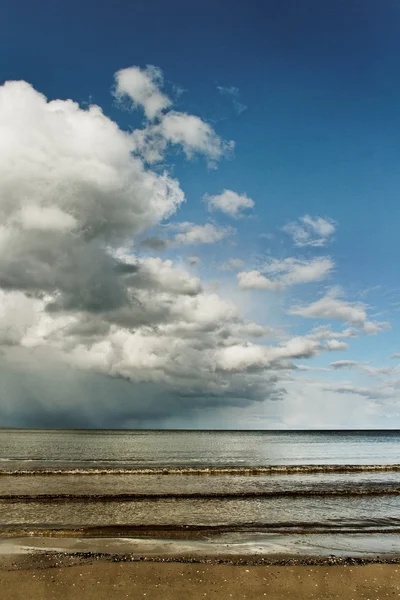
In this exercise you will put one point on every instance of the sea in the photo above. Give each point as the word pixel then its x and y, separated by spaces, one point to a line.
pixel 334 492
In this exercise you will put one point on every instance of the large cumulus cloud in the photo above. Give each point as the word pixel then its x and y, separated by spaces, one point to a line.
pixel 76 303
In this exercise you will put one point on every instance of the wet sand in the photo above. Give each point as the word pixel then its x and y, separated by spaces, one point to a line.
pixel 175 581
pixel 96 569
pixel 39 577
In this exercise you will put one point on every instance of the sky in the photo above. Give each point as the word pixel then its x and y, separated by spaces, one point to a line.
pixel 199 214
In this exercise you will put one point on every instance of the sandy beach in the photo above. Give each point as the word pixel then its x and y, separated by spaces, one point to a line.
pixel 34 578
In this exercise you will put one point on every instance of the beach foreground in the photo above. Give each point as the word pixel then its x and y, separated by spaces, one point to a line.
pixel 37 578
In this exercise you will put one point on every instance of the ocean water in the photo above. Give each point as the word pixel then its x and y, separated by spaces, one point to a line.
pixel 200 484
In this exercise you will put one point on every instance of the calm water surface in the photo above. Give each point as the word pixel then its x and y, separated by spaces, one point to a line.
pixel 37 449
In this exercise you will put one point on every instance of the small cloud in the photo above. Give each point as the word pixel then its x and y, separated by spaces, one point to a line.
pixel 345 364
pixel 311 231
pixel 142 87
pixel 325 333
pixel 233 92
pixel 286 272
pixel 365 368
pixel 239 107
pixel 310 368
pixel 333 345
pixel 194 135
pixel 254 280
pixel 230 203
pixel 371 327
pixel 294 271
pixel 189 234
pixel 231 264
pixel 332 306
pixel 228 91
pixel 178 91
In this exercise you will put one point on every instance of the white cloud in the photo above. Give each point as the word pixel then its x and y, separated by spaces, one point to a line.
pixel 242 357
pixel 228 90
pixel 254 280
pixel 377 371
pixel 344 364
pixel 336 345
pixel 298 347
pixel 45 146
pixel 189 234
pixel 309 368
pixel 324 332
pixel 371 327
pixel 239 107
pixel 233 93
pixel 333 306
pixel 70 173
pixel 194 135
pixel 192 234
pixel 365 368
pixel 292 271
pixel 232 264
pixel 230 203
pixel 142 86
pixel 247 356
pixel 311 231
pixel 286 272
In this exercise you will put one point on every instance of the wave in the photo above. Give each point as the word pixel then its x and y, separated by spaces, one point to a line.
pixel 173 531
pixel 212 470
pixel 245 495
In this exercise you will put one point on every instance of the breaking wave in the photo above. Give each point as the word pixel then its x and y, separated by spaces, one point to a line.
pixel 212 470
pixel 174 531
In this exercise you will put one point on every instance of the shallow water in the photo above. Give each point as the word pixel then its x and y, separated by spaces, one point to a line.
pixel 200 483
pixel 226 545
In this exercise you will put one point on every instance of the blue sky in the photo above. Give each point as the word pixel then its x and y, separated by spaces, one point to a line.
pixel 309 93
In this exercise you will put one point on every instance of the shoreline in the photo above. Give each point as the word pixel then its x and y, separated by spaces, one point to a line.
pixel 60 560
pixel 62 551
